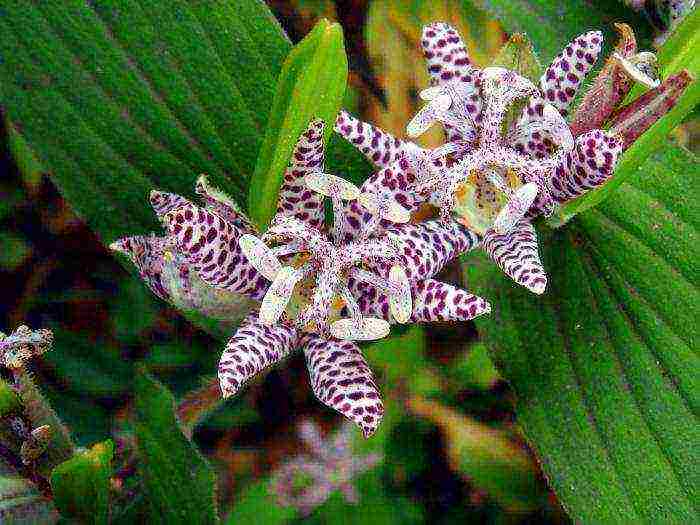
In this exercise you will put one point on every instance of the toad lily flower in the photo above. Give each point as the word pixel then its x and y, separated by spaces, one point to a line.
pixel 306 481
pixel 495 182
pixel 321 288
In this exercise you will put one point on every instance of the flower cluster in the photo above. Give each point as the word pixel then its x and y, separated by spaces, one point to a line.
pixel 307 480
pixel 322 285
pixel 496 174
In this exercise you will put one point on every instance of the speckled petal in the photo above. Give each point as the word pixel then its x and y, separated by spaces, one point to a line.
pixel 253 348
pixel 589 164
pixel 278 295
pixel 162 202
pixel 391 183
pixel 146 252
pixel 295 199
pixel 341 379
pixel 516 208
pixel 437 301
pixel 220 203
pixel 380 147
pixel 517 255
pixel 446 54
pixel 562 79
pixel 400 299
pixel 426 247
pixel 360 329
pixel 210 245
pixel 260 256
pixel 331 186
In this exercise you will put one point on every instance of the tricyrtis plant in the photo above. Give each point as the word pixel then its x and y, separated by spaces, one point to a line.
pixel 321 287
pixel 595 339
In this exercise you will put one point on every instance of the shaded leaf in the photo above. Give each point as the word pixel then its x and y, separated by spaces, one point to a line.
pixel 81 485
pixel 604 364
pixel 311 84
pixel 178 482
pixel 114 98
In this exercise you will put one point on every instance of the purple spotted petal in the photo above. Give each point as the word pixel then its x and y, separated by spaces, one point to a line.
pixel 341 378
pixel 517 255
pixel 217 201
pixel 437 301
pixel 393 182
pixel 146 252
pixel 446 54
pixel 295 199
pixel 253 348
pixel 428 246
pixel 210 245
pixel 588 165
pixel 562 79
pixel 163 202
pixel 380 147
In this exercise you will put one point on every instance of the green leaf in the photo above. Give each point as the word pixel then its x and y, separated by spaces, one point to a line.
pixel 551 25
pixel 311 84
pixel 81 485
pixel 113 98
pixel 20 501
pixel 178 482
pixel 604 364
pixel 678 52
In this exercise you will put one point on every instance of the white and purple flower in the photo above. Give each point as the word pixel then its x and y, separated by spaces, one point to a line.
pixel 320 288
pixel 496 174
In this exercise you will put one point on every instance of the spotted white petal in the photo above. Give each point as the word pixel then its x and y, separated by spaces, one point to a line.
pixel 389 210
pixel 278 295
pixel 260 256
pixel 331 186
pixel 400 301
pixel 515 209
pixel 428 115
pixel 640 68
pixel 360 329
pixel 558 127
pixel 430 93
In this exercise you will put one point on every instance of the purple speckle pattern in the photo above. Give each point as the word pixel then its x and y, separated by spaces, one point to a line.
pixel 449 63
pixel 437 301
pixel 163 202
pixel 341 378
pixel 210 246
pixel 381 148
pixel 529 139
pixel 253 348
pixel 587 166
pixel 425 248
pixel 295 198
pixel 516 254
pixel 146 253
pixel 446 54
pixel 562 79
pixel 224 206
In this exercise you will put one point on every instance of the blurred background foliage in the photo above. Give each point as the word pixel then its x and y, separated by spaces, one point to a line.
pixel 453 453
